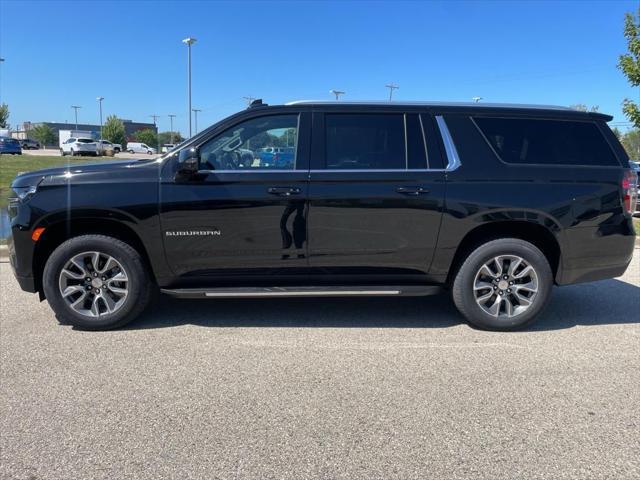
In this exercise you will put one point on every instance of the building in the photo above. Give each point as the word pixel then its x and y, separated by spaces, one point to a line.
pixel 130 128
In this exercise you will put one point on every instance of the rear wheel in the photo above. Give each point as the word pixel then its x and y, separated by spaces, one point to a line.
pixel 96 282
pixel 503 284
pixel 130 151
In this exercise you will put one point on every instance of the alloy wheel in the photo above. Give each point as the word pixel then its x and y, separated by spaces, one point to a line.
pixel 505 286
pixel 94 284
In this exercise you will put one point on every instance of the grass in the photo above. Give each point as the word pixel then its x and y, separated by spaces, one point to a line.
pixel 11 165
pixel 636 224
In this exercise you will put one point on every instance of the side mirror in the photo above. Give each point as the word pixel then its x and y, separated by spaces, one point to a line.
pixel 188 160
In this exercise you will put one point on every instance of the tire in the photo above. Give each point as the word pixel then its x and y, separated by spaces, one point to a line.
pixel 116 150
pixel 72 152
pixel 125 307
pixel 473 283
pixel 149 152
pixel 62 153
pixel 131 151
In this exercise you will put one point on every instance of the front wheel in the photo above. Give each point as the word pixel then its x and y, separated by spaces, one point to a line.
pixel 503 284
pixel 95 282
pixel 130 151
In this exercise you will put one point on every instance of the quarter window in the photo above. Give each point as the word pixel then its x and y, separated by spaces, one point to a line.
pixel 365 142
pixel 533 141
pixel 264 143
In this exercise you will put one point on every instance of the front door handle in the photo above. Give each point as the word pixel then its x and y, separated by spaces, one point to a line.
pixel 283 191
pixel 414 191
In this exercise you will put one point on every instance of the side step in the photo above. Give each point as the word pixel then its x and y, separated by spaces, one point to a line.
pixel 323 291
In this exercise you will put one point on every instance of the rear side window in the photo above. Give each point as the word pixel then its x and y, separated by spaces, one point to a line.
pixel 547 142
pixel 365 142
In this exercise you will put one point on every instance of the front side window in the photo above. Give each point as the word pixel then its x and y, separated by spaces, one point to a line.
pixel 365 142
pixel 264 143
pixel 548 142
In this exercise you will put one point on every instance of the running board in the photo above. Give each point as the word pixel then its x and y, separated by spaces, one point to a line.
pixel 324 291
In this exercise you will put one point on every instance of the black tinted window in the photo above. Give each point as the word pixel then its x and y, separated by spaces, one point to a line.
pixel 559 142
pixel 365 141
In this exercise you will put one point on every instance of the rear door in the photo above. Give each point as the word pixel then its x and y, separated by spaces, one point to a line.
pixel 243 213
pixel 376 193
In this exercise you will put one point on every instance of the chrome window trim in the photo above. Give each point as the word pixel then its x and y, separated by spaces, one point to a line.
pixel 365 170
pixel 257 170
pixel 453 160
pixel 406 143
pixel 424 141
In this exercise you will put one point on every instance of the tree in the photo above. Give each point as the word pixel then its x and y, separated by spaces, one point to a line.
pixel 581 107
pixel 4 115
pixel 629 63
pixel 146 136
pixel 166 137
pixel 43 134
pixel 113 130
pixel 631 143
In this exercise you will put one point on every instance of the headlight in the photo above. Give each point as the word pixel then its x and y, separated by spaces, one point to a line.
pixel 24 193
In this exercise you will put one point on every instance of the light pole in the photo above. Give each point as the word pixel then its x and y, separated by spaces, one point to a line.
pixel 391 87
pixel 195 112
pixel 337 93
pixel 189 41
pixel 476 99
pixel 100 99
pixel 155 118
pixel 171 116
pixel 76 107
pixel 1 62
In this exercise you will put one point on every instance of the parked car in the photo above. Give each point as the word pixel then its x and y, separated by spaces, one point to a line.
pixel 29 144
pixel 278 157
pixel 495 204
pixel 636 166
pixel 137 147
pixel 10 146
pixel 106 145
pixel 79 146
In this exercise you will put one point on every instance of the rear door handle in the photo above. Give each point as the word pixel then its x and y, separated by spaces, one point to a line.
pixel 283 191
pixel 415 191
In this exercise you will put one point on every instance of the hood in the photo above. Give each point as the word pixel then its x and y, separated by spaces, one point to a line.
pixel 111 169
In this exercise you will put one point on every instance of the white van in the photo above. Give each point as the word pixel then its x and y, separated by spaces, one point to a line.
pixel 137 147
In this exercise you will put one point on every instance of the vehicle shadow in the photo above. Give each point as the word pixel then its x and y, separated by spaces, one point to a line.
pixel 600 303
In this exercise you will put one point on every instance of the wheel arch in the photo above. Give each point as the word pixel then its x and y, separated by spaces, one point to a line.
pixel 540 236
pixel 57 233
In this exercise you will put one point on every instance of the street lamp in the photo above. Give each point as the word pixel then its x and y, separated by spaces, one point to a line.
pixel 171 116
pixel 337 93
pixel 188 42
pixel 100 99
pixel 195 112
pixel 76 107
pixel 391 87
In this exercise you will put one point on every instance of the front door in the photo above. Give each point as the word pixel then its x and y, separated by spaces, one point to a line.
pixel 376 193
pixel 245 212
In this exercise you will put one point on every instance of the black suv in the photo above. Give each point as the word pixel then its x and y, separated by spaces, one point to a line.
pixel 495 203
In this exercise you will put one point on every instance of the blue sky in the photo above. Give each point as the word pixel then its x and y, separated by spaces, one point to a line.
pixel 63 53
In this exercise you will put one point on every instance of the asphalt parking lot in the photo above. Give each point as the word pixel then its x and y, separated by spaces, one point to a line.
pixel 310 388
